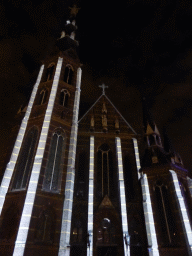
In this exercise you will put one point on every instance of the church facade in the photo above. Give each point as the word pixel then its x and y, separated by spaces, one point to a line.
pixel 77 187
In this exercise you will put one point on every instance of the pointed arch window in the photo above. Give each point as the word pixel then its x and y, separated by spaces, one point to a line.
pixel 106 176
pixel 45 226
pixel 168 225
pixel 55 160
pixel 42 96
pixel 68 74
pixel 25 160
pixel 50 72
pixel 64 97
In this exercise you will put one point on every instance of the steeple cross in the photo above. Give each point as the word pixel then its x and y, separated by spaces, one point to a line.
pixel 103 86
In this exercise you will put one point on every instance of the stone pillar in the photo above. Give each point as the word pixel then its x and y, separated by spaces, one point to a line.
pixel 137 157
pixel 122 198
pixel 149 220
pixel 64 247
pixel 33 182
pixel 11 165
pixel 183 212
pixel 90 198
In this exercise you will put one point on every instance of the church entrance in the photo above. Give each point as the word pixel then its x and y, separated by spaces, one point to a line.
pixel 107 251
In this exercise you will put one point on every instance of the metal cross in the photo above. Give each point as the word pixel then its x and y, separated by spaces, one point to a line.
pixel 103 86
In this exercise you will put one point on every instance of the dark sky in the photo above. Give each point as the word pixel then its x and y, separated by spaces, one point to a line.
pixel 137 48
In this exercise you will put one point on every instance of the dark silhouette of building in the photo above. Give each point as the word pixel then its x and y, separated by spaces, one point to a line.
pixel 77 187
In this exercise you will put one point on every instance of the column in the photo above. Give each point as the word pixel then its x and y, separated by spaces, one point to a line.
pixel 90 198
pixel 189 181
pixel 122 198
pixel 64 247
pixel 137 157
pixel 149 220
pixel 33 182
pixel 183 212
pixel 11 165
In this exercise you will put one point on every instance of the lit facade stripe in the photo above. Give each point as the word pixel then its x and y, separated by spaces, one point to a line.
pixel 90 197
pixel 11 165
pixel 30 197
pixel 189 181
pixel 149 220
pixel 64 248
pixel 183 212
pixel 122 197
pixel 137 157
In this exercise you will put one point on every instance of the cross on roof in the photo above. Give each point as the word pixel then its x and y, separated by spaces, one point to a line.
pixel 103 86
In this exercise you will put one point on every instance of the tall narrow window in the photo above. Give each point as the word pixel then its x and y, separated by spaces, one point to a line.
pixel 103 165
pixel 53 171
pixel 64 97
pixel 50 71
pixel 68 74
pixel 42 97
pixel 168 225
pixel 25 160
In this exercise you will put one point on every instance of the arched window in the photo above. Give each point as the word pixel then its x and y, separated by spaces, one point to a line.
pixel 53 170
pixel 42 97
pixel 50 71
pixel 169 233
pixel 64 97
pixel 10 223
pixel 45 226
pixel 68 74
pixel 103 167
pixel 25 160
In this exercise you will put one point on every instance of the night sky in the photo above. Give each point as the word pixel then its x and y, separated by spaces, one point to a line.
pixel 137 48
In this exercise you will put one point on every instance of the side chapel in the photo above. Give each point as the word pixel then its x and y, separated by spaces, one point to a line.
pixel 77 187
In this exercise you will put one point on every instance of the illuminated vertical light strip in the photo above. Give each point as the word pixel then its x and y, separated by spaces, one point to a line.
pixel 90 198
pixel 30 197
pixel 183 212
pixel 149 220
pixel 11 165
pixel 189 181
pixel 122 198
pixel 64 247
pixel 137 157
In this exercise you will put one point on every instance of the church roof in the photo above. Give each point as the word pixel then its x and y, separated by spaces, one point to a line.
pixel 114 117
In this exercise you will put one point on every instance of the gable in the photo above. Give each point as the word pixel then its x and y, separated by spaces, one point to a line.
pixel 104 117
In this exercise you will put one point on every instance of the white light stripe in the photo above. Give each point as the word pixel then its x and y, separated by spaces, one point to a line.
pixel 137 157
pixel 16 149
pixel 29 200
pixel 122 196
pixel 90 198
pixel 65 237
pixel 183 212
pixel 149 220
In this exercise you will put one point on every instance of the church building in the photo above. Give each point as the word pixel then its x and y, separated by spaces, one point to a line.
pixel 79 187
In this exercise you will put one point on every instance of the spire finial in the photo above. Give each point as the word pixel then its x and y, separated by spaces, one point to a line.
pixel 103 86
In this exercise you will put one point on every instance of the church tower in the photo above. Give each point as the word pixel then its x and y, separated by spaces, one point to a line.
pixel 166 185
pixel 37 188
